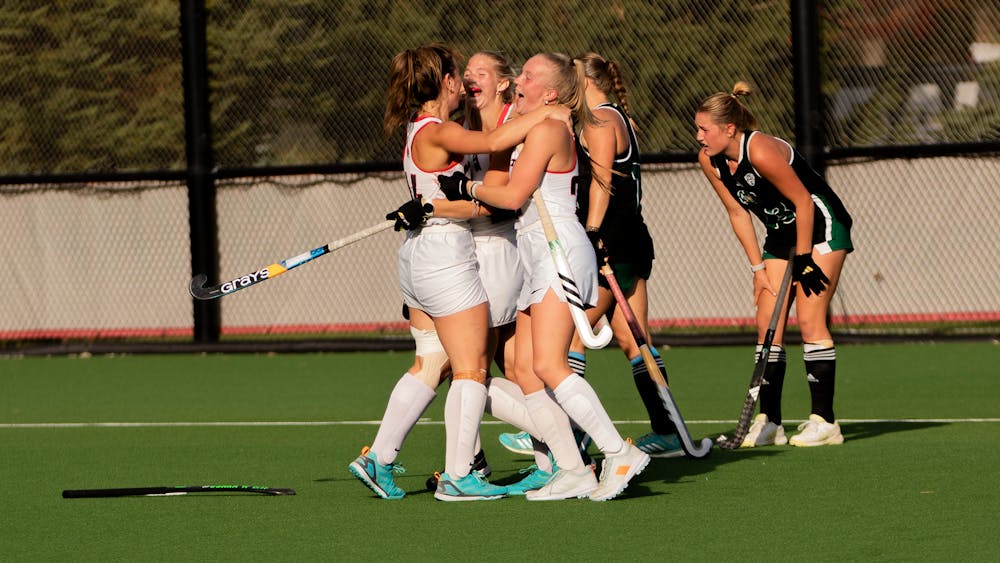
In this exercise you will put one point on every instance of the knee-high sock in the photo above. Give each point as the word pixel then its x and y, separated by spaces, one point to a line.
pixel 580 402
pixel 505 401
pixel 821 373
pixel 773 382
pixel 553 426
pixel 659 420
pixel 463 412
pixel 408 400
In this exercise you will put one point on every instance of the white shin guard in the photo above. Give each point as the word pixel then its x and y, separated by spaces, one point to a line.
pixel 505 401
pixel 553 427
pixel 463 412
pixel 408 400
pixel 581 403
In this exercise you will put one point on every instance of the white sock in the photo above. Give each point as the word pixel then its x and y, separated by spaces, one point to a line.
pixel 505 401
pixel 553 427
pixel 463 412
pixel 580 402
pixel 408 400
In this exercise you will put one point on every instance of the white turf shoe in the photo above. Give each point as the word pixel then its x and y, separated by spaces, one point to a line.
pixel 763 432
pixel 817 432
pixel 565 484
pixel 618 470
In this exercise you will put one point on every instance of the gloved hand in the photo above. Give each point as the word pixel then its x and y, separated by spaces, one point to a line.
pixel 455 187
pixel 411 215
pixel 498 215
pixel 808 274
pixel 599 250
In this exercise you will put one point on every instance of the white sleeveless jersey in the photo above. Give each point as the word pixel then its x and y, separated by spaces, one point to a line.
pixel 423 183
pixel 558 189
pixel 476 166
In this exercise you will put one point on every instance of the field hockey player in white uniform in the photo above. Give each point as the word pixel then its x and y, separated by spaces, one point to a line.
pixel 547 162
pixel 439 277
pixel 489 84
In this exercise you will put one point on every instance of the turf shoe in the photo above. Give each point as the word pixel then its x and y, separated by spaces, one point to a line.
pixel 817 432
pixel 535 479
pixel 517 442
pixel 471 487
pixel 565 484
pixel 660 445
pixel 618 470
pixel 479 464
pixel 376 476
pixel 763 432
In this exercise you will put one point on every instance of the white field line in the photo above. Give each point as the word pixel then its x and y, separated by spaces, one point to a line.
pixel 194 424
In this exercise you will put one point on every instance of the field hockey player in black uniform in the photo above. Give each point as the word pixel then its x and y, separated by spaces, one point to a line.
pixel 760 175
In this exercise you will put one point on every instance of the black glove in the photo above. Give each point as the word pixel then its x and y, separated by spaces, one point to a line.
pixel 599 250
pixel 498 215
pixel 455 187
pixel 808 274
pixel 411 215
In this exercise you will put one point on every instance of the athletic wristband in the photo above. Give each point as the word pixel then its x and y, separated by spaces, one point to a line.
pixel 472 188
pixel 757 267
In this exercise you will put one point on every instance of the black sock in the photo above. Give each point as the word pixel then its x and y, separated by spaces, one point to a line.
pixel 650 395
pixel 821 371
pixel 773 383
pixel 578 363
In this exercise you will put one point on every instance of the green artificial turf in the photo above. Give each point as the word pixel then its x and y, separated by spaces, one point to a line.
pixel 914 481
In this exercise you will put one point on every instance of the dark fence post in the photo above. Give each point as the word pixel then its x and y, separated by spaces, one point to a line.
pixel 198 150
pixel 810 128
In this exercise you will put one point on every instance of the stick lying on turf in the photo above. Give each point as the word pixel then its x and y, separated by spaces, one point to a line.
pixel 172 491
pixel 199 291
pixel 654 370
pixel 750 403
pixel 570 290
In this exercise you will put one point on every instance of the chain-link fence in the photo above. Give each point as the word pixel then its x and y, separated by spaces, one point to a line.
pixel 93 90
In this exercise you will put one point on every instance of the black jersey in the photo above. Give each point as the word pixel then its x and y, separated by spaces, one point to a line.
pixel 759 196
pixel 623 230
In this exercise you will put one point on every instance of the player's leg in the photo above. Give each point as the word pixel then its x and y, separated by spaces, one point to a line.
pixel 464 336
pixel 551 320
pixel 569 477
pixel 766 428
pixel 820 356
pixel 663 441
pixel 407 402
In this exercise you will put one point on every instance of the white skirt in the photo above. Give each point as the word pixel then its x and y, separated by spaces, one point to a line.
pixel 540 271
pixel 438 272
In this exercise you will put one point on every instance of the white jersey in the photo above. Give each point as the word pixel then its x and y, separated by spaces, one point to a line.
pixel 496 248
pixel 558 189
pixel 436 267
pixel 476 166
pixel 423 183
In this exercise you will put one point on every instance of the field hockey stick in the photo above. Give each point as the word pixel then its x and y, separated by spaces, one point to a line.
pixel 750 403
pixel 570 290
pixel 174 491
pixel 654 370
pixel 199 291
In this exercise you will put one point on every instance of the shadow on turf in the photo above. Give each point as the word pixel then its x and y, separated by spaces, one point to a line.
pixel 862 430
